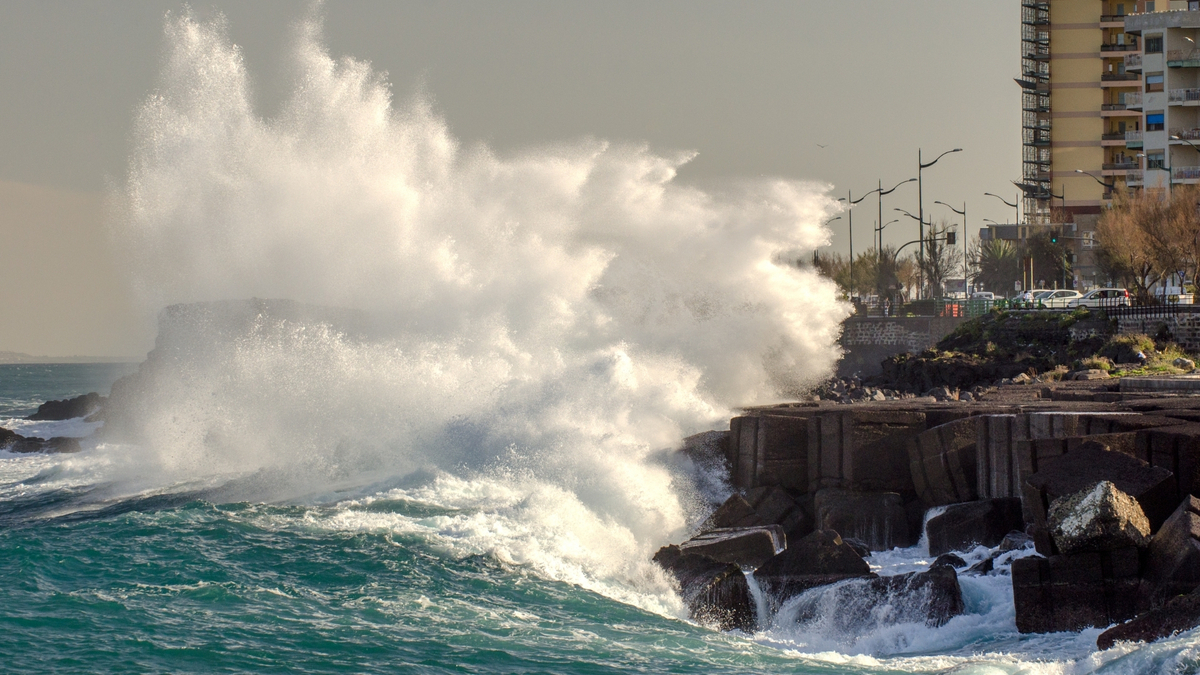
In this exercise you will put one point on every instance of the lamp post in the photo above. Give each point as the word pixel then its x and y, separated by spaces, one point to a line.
pixel 962 213
pixel 921 199
pixel 882 192
pixel 1110 186
pixel 1016 204
pixel 825 224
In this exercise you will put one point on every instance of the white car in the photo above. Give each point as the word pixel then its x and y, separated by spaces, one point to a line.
pixel 983 295
pixel 1102 297
pixel 1059 299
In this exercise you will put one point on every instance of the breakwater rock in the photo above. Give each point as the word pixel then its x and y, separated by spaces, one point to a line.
pixel 1091 494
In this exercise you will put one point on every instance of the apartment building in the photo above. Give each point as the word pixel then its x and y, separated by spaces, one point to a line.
pixel 1169 62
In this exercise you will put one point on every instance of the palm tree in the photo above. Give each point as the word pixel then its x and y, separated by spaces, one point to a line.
pixel 998 265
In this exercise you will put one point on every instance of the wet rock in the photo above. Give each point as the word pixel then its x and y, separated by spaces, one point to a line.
pixel 982 567
pixel 735 512
pixel 1101 518
pixel 863 450
pixel 932 597
pixel 14 442
pixel 1080 469
pixel 1077 591
pixel 818 559
pixel 767 449
pixel 860 547
pixel 1173 563
pixel 1179 614
pixel 962 526
pixel 716 593
pixel 876 518
pixel 776 506
pixel 1015 540
pixel 742 546
pixel 949 559
pixel 80 406
pixel 942 461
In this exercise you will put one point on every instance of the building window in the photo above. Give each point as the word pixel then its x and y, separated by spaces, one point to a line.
pixel 1194 5
pixel 1121 9
pixel 1154 82
pixel 1154 122
pixel 1150 6
pixel 1155 160
pixel 1153 44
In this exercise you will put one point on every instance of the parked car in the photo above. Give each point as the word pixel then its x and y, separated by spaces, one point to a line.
pixel 1059 299
pixel 983 295
pixel 1102 297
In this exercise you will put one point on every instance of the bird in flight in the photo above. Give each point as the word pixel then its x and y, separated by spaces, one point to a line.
pixel 822 146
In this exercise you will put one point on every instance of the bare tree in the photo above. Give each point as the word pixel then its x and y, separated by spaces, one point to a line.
pixel 938 259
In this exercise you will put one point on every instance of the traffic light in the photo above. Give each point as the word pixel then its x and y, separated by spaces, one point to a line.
pixel 950 238
pixel 1054 239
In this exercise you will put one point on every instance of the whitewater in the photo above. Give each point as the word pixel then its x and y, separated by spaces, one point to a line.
pixel 478 480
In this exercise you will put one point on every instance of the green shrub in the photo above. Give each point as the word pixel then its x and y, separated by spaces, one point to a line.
pixel 1095 363
pixel 1124 348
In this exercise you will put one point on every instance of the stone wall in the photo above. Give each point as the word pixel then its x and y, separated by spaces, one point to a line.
pixel 867 341
pixel 1184 328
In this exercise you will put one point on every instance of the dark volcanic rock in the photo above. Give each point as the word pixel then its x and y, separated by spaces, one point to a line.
pixel 1101 518
pixel 1179 614
pixel 943 461
pixel 742 546
pixel 761 506
pixel 716 593
pixel 876 518
pixel 962 526
pixel 80 406
pixel 14 442
pixel 932 597
pixel 735 512
pixel 1173 564
pixel 1015 540
pixel 949 559
pixel 1153 487
pixel 818 559
pixel 1073 592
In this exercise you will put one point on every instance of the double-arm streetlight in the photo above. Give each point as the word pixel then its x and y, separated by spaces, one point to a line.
pixel 921 192
pixel 1016 204
pixel 962 213
pixel 882 192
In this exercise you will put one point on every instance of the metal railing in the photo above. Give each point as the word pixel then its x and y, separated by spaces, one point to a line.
pixel 1133 60
pixel 1119 77
pixel 1131 47
pixel 1133 136
pixel 1185 173
pixel 1182 57
pixel 1186 134
pixel 1183 95
pixel 1134 177
pixel 1117 166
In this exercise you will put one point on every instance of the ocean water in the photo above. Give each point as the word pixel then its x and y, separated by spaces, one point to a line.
pixel 479 483
pixel 422 573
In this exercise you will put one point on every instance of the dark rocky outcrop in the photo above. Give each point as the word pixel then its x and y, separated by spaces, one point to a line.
pixel 949 559
pixel 1100 518
pixel 14 442
pixel 818 559
pixel 1153 487
pixel 1077 591
pixel 942 461
pixel 962 526
pixel 759 507
pixel 1179 614
pixel 1173 563
pixel 716 593
pixel 742 546
pixel 80 406
pixel 862 450
pixel 875 518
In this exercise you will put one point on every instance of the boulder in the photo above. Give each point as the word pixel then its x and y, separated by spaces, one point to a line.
pixel 1184 363
pixel 1077 591
pixel 1101 518
pixel 932 597
pixel 1173 563
pixel 80 406
pixel 985 522
pixel 1177 449
pixel 982 567
pixel 1015 540
pixel 1089 374
pixel 761 506
pixel 742 546
pixel 735 512
pixel 1179 614
pixel 876 518
pixel 949 559
pixel 860 547
pixel 716 593
pixel 818 559
pixel 942 461
pixel 1153 487
pixel 766 449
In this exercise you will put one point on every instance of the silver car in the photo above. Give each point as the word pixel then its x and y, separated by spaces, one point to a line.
pixel 1059 299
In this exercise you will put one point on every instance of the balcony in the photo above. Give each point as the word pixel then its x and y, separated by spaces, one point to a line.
pixel 1132 47
pixel 1133 100
pixel 1186 134
pixel 1133 178
pixel 1119 166
pixel 1120 77
pixel 1183 97
pixel 1133 62
pixel 1118 19
pixel 1182 174
pixel 1183 58
pixel 1133 138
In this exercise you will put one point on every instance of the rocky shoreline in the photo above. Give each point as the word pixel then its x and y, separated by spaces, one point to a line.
pixel 1087 497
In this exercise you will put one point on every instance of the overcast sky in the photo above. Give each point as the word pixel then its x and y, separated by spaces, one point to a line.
pixel 755 87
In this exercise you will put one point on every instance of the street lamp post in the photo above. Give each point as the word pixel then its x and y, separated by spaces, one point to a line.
pixel 1110 186
pixel 882 192
pixel 1016 204
pixel 921 198
pixel 826 224
pixel 962 213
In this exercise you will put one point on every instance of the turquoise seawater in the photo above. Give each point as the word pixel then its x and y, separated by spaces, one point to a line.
pixel 397 577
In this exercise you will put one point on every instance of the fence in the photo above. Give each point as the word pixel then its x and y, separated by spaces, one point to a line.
pixel 1113 308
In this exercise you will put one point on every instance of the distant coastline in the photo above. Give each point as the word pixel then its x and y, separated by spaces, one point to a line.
pixel 10 358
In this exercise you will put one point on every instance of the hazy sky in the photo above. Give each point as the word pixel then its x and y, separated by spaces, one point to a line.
pixel 754 87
